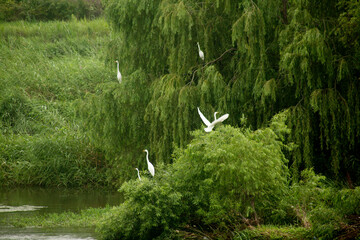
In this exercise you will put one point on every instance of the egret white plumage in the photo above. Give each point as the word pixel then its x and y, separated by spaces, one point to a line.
pixel 201 53
pixel 150 166
pixel 119 77
pixel 211 125
pixel 138 173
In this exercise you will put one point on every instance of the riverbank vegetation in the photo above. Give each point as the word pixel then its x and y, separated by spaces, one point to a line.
pixel 45 68
pixel 287 72
pixel 85 218
pixel 46 10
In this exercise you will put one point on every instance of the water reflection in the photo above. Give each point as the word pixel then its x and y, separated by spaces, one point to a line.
pixel 11 233
pixel 36 201
pixel 23 208
pixel 58 200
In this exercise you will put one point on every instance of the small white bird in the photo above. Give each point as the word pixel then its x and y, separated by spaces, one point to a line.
pixel 138 173
pixel 119 77
pixel 150 166
pixel 201 53
pixel 209 125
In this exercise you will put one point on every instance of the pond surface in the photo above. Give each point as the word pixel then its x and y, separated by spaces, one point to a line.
pixel 33 201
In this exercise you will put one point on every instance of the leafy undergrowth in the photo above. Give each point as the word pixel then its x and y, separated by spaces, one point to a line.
pixel 263 232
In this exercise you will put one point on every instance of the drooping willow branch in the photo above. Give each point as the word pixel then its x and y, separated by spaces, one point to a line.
pixel 211 62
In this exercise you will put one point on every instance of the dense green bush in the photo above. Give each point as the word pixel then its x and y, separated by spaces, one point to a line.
pixel 150 210
pixel 231 174
pixel 43 10
pixel 222 178
pixel 318 205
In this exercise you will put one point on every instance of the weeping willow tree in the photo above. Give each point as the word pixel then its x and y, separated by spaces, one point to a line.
pixel 113 118
pixel 261 57
pixel 315 66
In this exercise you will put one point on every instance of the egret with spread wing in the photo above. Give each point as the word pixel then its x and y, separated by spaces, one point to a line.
pixel 209 125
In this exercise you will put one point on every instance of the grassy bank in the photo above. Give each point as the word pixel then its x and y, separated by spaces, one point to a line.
pixel 85 218
pixel 92 217
pixel 45 68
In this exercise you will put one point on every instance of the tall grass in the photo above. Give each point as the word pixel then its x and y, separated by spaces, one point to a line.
pixel 44 69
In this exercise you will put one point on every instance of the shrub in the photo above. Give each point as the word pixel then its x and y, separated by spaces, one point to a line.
pixel 221 178
pixel 318 205
pixel 231 174
pixel 150 210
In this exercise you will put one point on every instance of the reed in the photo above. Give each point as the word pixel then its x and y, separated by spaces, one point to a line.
pixel 45 67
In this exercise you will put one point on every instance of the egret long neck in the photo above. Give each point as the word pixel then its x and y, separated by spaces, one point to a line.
pixel 147 156
pixel 117 66
pixel 198 46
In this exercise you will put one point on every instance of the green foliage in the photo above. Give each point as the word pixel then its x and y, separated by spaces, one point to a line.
pixel 14 111
pixel 41 10
pixel 316 204
pixel 225 174
pixel 261 57
pixel 221 178
pixel 349 27
pixel 271 232
pixel 141 46
pixel 85 218
pixel 45 68
pixel 123 142
pixel 47 161
pixel 150 209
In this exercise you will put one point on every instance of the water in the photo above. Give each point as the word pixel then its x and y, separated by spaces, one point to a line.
pixel 11 233
pixel 33 201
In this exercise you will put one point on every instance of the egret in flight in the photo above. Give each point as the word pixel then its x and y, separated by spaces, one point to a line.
pixel 209 125
pixel 138 173
pixel 150 166
pixel 119 77
pixel 201 53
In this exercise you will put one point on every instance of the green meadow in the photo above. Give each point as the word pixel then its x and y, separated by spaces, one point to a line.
pixel 45 68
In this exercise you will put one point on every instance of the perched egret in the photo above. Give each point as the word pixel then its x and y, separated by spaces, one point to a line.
pixel 150 166
pixel 119 77
pixel 209 125
pixel 138 173
pixel 201 53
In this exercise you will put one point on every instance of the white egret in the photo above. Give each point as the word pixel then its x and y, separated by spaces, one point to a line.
pixel 119 77
pixel 209 125
pixel 138 173
pixel 150 166
pixel 201 53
